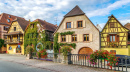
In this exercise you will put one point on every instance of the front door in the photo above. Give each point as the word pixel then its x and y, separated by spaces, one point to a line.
pixel 86 51
pixel 18 49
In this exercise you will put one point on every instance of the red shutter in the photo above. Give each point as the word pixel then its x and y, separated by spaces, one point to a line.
pixel 108 38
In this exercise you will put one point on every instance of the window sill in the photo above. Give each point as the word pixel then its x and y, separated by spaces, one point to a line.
pixel 68 28
pixel 74 42
pixel 86 41
pixel 80 27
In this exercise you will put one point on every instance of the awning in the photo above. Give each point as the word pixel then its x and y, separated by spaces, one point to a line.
pixel 13 33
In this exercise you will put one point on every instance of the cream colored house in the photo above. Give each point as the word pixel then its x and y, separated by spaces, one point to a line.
pixel 86 35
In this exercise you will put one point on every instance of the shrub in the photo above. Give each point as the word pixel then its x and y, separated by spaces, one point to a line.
pixel 103 54
pixel 42 53
pixel 65 50
pixel 29 49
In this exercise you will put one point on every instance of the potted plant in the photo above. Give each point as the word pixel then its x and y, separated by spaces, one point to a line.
pixel 29 50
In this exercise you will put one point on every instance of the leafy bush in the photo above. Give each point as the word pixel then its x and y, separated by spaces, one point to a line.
pixel 29 49
pixel 103 54
pixel 2 43
pixel 42 53
pixel 65 50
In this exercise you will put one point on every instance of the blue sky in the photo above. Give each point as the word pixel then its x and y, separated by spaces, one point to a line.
pixel 97 10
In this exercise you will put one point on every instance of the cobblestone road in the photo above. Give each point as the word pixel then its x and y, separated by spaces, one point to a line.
pixel 48 65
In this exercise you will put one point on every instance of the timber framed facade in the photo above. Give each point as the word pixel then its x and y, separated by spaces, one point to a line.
pixel 114 37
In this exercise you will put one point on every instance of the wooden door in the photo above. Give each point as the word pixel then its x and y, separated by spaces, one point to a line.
pixel 18 50
pixel 86 51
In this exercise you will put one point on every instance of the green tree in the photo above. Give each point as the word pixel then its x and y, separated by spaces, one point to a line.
pixel 2 43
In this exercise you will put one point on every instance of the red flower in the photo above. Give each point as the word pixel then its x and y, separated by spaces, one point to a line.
pixel 111 67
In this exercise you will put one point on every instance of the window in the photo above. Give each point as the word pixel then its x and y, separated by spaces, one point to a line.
pixel 63 38
pixel 14 28
pixel 5 37
pixel 86 37
pixel 80 24
pixel 74 37
pixel 5 28
pixel 112 25
pixel 8 20
pixel 68 24
pixel 10 48
pixel 32 26
pixel 9 16
pixel 113 52
pixel 112 38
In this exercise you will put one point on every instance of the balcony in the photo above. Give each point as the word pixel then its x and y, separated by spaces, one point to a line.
pixel 14 41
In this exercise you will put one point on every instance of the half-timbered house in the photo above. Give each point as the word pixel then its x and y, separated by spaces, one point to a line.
pixel 114 37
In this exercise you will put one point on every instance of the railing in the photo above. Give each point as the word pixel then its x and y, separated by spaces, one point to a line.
pixel 13 41
pixel 82 59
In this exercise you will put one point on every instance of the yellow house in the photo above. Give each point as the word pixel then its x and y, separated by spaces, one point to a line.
pixel 15 36
pixel 114 37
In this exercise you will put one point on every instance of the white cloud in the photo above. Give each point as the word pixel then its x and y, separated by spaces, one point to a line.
pixel 44 9
pixel 108 9
pixel 125 21
pixel 102 25
pixel 50 9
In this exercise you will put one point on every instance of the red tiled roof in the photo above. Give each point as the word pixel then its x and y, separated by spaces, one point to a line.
pixel 47 25
pixel 22 22
pixel 127 26
pixel 5 16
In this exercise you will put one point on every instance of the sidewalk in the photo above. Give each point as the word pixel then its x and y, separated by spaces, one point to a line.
pixel 48 65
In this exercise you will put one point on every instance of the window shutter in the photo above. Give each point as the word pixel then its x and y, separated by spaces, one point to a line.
pixel 67 38
pixel 117 38
pixel 64 25
pixel 70 39
pixel 108 38
pixel 59 38
pixel 81 37
pixel 72 25
pixel 83 23
pixel 90 37
pixel 78 36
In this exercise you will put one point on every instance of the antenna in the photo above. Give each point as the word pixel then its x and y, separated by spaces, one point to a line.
pixel 56 20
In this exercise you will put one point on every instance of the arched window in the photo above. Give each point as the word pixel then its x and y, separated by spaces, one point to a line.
pixel 10 48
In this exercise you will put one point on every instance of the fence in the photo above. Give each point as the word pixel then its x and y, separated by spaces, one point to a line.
pixel 82 59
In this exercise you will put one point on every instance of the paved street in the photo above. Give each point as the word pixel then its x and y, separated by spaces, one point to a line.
pixel 19 63
pixel 6 66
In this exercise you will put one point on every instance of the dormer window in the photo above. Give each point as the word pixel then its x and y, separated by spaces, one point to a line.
pixel 8 20
pixel 9 16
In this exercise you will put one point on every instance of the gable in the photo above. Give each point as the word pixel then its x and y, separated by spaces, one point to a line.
pixel 15 24
pixel 87 24
pixel 113 25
